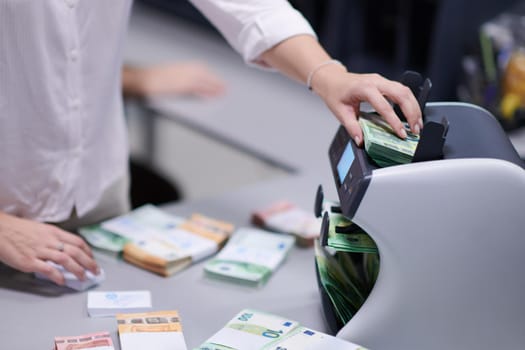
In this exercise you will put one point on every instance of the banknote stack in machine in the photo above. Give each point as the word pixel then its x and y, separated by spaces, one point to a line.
pixel 92 341
pixel 164 243
pixel 256 330
pixel 250 257
pixel 347 266
pixel 151 330
pixel 383 145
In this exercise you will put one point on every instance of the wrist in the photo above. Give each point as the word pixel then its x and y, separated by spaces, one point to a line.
pixel 323 75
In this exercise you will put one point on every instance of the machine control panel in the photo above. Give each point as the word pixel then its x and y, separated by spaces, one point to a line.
pixel 351 170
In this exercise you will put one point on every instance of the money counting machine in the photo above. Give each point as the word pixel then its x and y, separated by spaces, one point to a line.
pixel 450 231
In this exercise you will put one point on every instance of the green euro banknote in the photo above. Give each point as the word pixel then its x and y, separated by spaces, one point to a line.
pixel 256 330
pixel 346 293
pixel 102 239
pixel 383 145
pixel 250 257
pixel 348 266
pixel 350 238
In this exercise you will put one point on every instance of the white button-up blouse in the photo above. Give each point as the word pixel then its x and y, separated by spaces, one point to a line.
pixel 62 132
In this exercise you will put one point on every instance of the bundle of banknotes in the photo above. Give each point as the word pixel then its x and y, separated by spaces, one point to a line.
pixel 94 341
pixel 103 240
pixel 383 145
pixel 110 303
pixel 157 241
pixel 255 330
pixel 71 281
pixel 137 331
pixel 151 330
pixel 286 217
pixel 347 267
pixel 250 257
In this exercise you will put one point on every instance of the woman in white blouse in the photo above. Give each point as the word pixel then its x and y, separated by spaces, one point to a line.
pixel 62 131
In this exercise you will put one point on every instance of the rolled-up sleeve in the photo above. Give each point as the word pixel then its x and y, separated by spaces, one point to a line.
pixel 253 26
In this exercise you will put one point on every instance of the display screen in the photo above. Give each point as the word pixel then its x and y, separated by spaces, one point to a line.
pixel 345 162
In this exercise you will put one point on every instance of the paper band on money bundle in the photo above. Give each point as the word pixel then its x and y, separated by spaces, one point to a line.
pixel 383 145
pixel 93 341
pixel 250 256
pixel 255 330
pixel 286 217
pixel 166 244
pixel 159 330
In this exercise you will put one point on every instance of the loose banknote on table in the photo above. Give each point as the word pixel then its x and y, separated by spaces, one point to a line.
pixel 92 341
pixel 250 257
pixel 156 330
pixel 286 217
pixel 383 145
pixel 255 330
pixel 164 243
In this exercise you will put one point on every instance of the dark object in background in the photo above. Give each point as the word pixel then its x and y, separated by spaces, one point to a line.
pixel 389 37
pixel 149 186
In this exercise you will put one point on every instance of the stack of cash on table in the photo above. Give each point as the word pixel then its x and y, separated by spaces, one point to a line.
pixel 159 242
pixel 286 217
pixel 94 341
pixel 158 330
pixel 255 330
pixel 383 145
pixel 250 257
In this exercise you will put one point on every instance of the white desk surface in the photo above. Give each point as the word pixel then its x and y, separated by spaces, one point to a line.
pixel 33 314
pixel 262 112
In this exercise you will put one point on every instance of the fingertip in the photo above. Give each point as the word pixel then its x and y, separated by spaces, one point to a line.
pixel 57 277
pixel 95 270
pixel 402 133
pixel 81 275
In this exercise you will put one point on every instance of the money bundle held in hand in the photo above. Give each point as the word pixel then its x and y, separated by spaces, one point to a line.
pixel 383 145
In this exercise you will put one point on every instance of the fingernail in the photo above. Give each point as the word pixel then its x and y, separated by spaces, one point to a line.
pixel 420 122
pixel 416 129
pixel 403 133
pixel 357 140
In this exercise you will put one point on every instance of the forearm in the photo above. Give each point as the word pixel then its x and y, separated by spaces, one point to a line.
pixel 302 58
pixel 132 81
pixel 298 56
